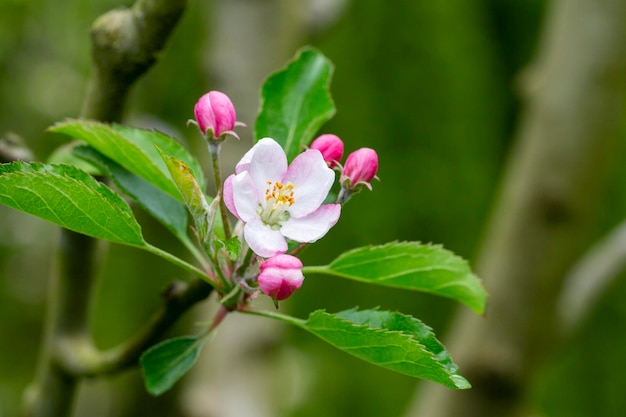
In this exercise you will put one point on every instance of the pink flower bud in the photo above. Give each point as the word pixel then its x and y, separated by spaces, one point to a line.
pixel 331 148
pixel 280 276
pixel 360 168
pixel 215 111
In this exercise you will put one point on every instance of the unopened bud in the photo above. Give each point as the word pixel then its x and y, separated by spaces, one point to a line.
pixel 215 112
pixel 331 148
pixel 360 168
pixel 280 276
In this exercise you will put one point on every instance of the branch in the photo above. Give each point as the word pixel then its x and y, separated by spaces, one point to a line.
pixel 590 277
pixel 13 148
pixel 551 189
pixel 125 43
pixel 85 361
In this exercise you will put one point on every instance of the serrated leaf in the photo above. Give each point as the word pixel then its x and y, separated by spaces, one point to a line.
pixel 296 102
pixel 391 340
pixel 132 148
pixel 165 363
pixel 71 198
pixel 412 266
pixel 161 206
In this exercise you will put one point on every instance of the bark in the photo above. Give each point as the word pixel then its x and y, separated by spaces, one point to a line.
pixel 125 44
pixel 552 184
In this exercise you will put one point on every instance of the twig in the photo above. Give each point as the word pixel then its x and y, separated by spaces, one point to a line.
pixel 13 148
pixel 125 43
pixel 550 194
pixel 85 361
pixel 590 277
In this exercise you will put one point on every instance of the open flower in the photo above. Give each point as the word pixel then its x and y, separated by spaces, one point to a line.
pixel 280 276
pixel 276 201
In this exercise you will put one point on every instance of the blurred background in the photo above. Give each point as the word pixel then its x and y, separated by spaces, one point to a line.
pixel 432 86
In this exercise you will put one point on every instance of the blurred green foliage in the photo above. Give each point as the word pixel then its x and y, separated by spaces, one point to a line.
pixel 430 85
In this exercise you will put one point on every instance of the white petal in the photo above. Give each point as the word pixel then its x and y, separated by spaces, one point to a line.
pixel 312 227
pixel 268 163
pixel 263 240
pixel 245 197
pixel 244 162
pixel 312 179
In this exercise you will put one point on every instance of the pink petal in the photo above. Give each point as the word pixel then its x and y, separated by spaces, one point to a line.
pixel 282 262
pixel 204 113
pixel 224 112
pixel 331 148
pixel 229 198
pixel 313 226
pixel 263 240
pixel 245 197
pixel 280 276
pixel 312 179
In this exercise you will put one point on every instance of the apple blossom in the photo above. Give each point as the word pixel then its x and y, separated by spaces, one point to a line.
pixel 331 148
pixel 280 276
pixel 276 201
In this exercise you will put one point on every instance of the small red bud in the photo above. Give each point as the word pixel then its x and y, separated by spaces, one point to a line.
pixel 215 111
pixel 360 168
pixel 331 148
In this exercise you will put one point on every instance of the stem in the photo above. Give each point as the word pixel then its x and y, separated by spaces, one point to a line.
pixel 214 150
pixel 197 254
pixel 276 316
pixel 177 261
pixel 315 269
pixel 299 249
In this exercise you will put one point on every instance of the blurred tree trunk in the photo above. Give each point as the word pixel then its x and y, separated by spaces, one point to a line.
pixel 557 172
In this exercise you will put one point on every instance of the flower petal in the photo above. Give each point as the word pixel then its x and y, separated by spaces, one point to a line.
pixel 263 240
pixel 268 162
pixel 312 179
pixel 280 276
pixel 245 197
pixel 229 198
pixel 314 226
pixel 244 162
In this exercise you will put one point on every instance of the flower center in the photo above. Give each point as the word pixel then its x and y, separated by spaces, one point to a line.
pixel 278 198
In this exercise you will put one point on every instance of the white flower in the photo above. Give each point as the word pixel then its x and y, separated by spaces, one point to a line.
pixel 276 201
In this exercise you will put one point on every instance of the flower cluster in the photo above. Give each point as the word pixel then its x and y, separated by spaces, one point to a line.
pixel 277 202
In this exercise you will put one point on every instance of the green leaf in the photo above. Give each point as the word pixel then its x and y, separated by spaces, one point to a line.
pixel 232 246
pixel 193 196
pixel 296 102
pixel 132 148
pixel 71 198
pixel 412 266
pixel 167 362
pixel 161 206
pixel 391 340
